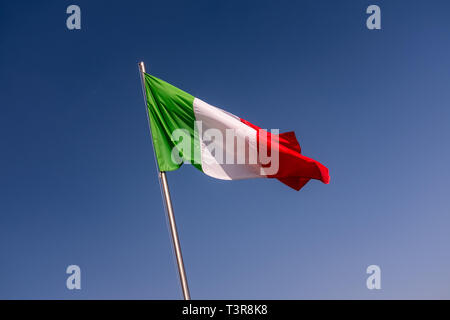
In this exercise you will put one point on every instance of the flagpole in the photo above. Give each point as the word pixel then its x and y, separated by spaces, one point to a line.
pixel 167 203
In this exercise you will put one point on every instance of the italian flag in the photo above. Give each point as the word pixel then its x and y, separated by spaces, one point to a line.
pixel 220 144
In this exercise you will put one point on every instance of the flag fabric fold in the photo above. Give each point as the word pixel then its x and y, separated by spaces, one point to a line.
pixel 186 129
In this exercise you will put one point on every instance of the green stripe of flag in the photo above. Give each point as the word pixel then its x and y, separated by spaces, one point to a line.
pixel 170 108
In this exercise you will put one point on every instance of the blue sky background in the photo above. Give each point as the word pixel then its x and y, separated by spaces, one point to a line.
pixel 77 176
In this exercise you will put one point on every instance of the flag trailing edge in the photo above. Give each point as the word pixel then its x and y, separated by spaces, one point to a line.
pixel 186 129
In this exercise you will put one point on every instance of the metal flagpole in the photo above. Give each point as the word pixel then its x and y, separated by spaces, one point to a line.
pixel 168 203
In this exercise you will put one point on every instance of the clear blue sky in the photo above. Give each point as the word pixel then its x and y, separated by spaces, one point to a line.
pixel 77 176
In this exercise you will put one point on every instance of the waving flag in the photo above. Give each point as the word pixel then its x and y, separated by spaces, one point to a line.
pixel 220 144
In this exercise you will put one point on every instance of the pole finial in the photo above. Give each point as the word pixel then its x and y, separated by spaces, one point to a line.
pixel 141 66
